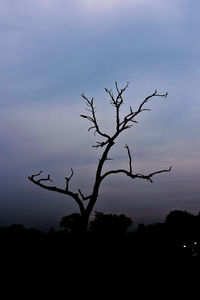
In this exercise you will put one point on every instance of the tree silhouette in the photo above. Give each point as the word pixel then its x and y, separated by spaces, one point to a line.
pixel 110 223
pixel 71 223
pixel 122 123
pixel 182 224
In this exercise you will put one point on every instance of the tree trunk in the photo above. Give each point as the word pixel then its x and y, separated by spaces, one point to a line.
pixel 84 222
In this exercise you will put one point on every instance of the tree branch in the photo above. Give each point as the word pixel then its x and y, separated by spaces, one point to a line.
pixel 100 144
pixel 41 179
pixel 130 159
pixel 93 119
pixel 117 102
pixel 130 174
pixel 129 117
pixel 119 99
pixel 133 176
pixel 58 190
pixel 68 179
pixel 148 177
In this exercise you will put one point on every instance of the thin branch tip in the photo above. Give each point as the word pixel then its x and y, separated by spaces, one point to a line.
pixel 35 175
pixel 68 179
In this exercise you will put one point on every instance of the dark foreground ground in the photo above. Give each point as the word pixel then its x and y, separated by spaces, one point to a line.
pixel 93 266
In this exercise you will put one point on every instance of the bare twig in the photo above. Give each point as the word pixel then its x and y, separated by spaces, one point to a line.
pixel 46 179
pixel 93 118
pixel 32 177
pixel 119 99
pixel 129 117
pixel 117 102
pixel 58 190
pixel 134 176
pixel 149 177
pixel 100 144
pixel 68 179
pixel 130 159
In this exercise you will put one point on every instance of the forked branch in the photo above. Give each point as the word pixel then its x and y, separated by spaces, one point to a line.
pixel 68 179
pixel 117 101
pixel 92 118
pixel 130 172
pixel 83 197
pixel 32 178
pixel 58 190
pixel 134 176
pixel 130 117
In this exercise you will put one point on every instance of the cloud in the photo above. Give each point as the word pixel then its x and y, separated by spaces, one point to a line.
pixel 143 7
pixel 55 47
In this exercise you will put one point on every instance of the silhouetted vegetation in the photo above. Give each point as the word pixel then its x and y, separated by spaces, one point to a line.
pixel 71 223
pixel 110 223
pixel 109 258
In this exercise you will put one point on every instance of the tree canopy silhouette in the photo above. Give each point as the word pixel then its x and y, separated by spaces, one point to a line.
pixel 183 224
pixel 102 223
pixel 71 223
pixel 110 223
pixel 122 123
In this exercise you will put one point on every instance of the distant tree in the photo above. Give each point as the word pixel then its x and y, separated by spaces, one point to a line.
pixel 122 123
pixel 182 224
pixel 71 223
pixel 179 218
pixel 110 223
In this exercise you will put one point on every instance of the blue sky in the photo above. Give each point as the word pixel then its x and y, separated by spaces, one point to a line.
pixel 51 52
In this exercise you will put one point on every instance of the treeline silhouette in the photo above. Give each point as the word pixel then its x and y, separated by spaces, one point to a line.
pixel 110 258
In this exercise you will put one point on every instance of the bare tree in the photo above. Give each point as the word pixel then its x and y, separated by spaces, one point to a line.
pixel 122 123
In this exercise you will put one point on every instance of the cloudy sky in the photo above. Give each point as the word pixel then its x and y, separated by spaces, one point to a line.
pixel 53 50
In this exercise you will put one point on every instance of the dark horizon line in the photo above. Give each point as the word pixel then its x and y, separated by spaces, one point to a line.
pixel 131 228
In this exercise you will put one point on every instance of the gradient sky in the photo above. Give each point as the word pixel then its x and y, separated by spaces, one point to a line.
pixel 53 50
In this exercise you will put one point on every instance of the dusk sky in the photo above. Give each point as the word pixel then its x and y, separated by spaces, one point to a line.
pixel 53 50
